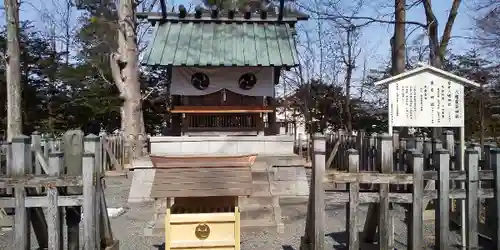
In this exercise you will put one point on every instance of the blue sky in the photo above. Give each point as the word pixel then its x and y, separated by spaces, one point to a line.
pixel 375 38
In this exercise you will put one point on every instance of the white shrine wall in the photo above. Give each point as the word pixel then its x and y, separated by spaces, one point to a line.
pixel 222 145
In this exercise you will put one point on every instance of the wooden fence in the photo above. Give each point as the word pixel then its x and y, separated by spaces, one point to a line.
pixel 112 151
pixel 406 174
pixel 63 183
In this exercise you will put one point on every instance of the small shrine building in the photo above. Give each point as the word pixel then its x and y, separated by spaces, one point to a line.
pixel 223 69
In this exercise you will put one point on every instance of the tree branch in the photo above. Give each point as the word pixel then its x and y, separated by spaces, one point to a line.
pixel 447 29
pixel 432 29
pixel 116 72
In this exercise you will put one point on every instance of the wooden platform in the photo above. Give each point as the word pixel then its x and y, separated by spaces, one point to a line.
pixel 202 176
pixel 198 161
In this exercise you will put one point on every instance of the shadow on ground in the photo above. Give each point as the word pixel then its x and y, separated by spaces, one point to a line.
pixel 160 246
pixel 341 239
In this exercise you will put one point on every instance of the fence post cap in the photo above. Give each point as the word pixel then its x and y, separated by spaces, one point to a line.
pixel 419 139
pixel 88 154
pixel 319 136
pixel 352 151
pixel 56 154
pixel 91 137
pixel 21 138
pixel 416 153
pixel 436 140
pixel 441 151
pixel 447 132
pixel 471 151
pixel 495 150
pixel 385 136
pixel 35 133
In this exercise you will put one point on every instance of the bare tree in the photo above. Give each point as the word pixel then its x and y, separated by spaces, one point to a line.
pixel 350 51
pixel 58 18
pixel 488 24
pixel 398 42
pixel 125 68
pixel 13 71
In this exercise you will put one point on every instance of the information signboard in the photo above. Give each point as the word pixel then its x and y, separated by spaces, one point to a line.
pixel 426 100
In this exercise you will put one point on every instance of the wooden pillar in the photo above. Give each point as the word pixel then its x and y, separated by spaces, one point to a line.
pixel 22 158
pixel 90 241
pixel 54 211
pixel 495 165
pixel 378 214
pixel 73 153
pixel 22 232
pixel 271 117
pixel 175 126
pixel 314 237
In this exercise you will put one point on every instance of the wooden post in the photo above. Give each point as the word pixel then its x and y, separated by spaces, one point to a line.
pixel 318 215
pixel 416 210
pixel 21 220
pixel 54 212
pixel 73 152
pixel 427 151
pixel 361 146
pixel 352 206
pixel 419 144
pixel 299 146
pixel 308 148
pixel 36 146
pixel 22 158
pixel 45 143
pixel 92 144
pixel 104 155
pixel 488 203
pixel 90 203
pixel 472 187
pixel 386 222
pixel 495 165
pixel 22 230
pixel 442 213
pixel 381 210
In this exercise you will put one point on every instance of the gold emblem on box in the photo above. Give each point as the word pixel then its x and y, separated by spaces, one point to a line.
pixel 202 231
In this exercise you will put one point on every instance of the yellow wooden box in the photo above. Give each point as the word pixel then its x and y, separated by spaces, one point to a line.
pixel 203 223
pixel 202 200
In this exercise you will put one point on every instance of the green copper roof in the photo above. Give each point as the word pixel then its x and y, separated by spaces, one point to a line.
pixel 222 44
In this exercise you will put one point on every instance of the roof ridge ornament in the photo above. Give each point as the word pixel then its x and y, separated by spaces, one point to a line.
pixel 198 11
pixel 182 11
pixel 215 12
pixel 248 12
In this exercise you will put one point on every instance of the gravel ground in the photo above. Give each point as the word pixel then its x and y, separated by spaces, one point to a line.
pixel 128 228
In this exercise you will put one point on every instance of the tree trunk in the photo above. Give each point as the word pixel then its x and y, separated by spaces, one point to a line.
pixel 398 43
pixel 350 63
pixel 437 48
pixel 13 65
pixel 348 115
pixel 125 69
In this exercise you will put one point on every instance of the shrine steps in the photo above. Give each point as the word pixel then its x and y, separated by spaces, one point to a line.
pixel 261 209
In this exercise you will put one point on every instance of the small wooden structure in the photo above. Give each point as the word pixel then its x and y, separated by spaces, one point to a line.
pixel 202 199
pixel 223 68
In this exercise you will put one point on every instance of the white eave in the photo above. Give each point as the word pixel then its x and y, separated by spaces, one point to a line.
pixel 427 68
